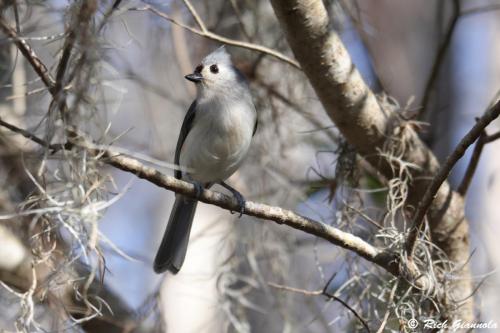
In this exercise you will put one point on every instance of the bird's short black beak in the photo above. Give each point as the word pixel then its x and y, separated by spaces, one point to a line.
pixel 195 77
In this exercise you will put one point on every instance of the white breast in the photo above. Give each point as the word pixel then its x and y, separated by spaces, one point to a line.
pixel 218 140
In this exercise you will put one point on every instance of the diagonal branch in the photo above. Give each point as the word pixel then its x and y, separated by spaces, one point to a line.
pixel 473 163
pixel 26 50
pixel 493 137
pixel 263 211
pixel 279 215
pixel 445 170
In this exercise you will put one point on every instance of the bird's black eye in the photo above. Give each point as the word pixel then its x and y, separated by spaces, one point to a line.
pixel 198 69
pixel 214 69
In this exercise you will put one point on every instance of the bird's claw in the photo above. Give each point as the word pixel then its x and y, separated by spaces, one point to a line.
pixel 237 195
pixel 241 202
pixel 198 189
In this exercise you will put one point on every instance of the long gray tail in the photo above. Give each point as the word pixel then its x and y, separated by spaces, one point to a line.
pixel 174 244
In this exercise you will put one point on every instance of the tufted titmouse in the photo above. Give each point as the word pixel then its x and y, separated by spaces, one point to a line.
pixel 214 139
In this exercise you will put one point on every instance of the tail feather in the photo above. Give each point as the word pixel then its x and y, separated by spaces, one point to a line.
pixel 173 247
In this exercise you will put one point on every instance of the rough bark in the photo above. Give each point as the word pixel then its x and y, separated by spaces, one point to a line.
pixel 368 127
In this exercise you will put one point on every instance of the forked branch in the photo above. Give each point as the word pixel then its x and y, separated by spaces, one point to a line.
pixel 424 205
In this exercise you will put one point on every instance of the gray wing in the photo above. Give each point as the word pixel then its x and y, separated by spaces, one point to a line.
pixel 185 128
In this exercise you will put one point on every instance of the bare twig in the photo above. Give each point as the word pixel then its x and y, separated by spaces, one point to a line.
pixel 324 293
pixel 29 54
pixel 195 15
pixel 474 161
pixel 363 322
pixel 23 132
pixel 218 38
pixel 493 137
pixel 491 114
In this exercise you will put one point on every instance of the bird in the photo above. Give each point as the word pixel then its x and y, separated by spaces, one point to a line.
pixel 214 139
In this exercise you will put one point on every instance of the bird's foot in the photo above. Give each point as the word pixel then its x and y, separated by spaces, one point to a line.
pixel 198 187
pixel 238 196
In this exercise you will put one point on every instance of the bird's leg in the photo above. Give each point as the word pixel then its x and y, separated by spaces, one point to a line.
pixel 239 197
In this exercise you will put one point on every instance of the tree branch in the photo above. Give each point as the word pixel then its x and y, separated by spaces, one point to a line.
pixel 493 137
pixel 445 170
pixel 195 15
pixel 29 54
pixel 221 39
pixel 323 292
pixel 471 168
pixel 276 214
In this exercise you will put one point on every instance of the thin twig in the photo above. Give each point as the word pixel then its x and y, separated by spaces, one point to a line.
pixel 363 322
pixel 493 137
pixel 29 54
pixel 491 114
pixel 218 38
pixel 23 132
pixel 195 15
pixel 471 168
pixel 324 293
pixel 476 154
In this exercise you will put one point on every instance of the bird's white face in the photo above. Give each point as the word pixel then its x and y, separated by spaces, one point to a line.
pixel 215 76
